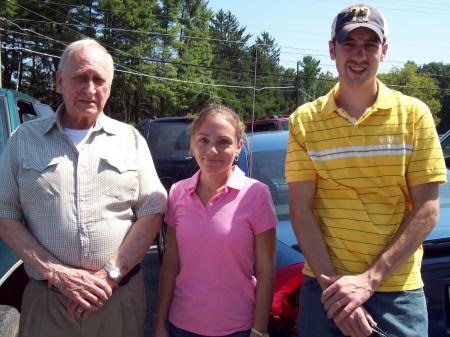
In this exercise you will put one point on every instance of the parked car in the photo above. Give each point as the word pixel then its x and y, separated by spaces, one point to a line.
pixel 273 123
pixel 265 162
pixel 168 140
pixel 15 108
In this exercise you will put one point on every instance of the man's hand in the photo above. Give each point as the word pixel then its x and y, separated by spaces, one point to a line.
pixel 344 294
pixel 76 311
pixel 358 324
pixel 85 288
pixel 338 302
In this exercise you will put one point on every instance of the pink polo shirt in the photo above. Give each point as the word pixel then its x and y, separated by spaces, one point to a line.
pixel 215 290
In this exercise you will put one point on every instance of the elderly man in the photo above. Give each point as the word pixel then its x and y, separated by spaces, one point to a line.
pixel 80 204
pixel 363 167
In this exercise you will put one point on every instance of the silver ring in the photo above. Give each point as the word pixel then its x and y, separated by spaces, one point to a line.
pixel 338 303
pixel 79 309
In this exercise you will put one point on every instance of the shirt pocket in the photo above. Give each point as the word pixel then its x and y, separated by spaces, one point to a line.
pixel 119 178
pixel 40 179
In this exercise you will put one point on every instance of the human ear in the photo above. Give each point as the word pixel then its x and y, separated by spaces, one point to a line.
pixel 58 82
pixel 384 51
pixel 331 49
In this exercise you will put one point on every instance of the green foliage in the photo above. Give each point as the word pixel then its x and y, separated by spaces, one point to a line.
pixel 173 56
pixel 410 82
pixel 441 73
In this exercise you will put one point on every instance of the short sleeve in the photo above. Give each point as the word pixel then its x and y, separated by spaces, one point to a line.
pixel 299 166
pixel 264 217
pixel 152 198
pixel 427 163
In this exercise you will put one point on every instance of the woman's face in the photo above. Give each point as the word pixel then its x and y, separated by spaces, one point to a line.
pixel 215 145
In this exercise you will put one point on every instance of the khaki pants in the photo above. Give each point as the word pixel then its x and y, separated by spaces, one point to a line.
pixel 44 313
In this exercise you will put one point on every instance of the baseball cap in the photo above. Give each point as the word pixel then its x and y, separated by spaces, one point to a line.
pixel 356 16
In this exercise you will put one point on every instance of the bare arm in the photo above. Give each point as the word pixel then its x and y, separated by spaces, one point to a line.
pixel 265 276
pixel 136 243
pixel 312 243
pixel 418 223
pixel 307 229
pixel 169 270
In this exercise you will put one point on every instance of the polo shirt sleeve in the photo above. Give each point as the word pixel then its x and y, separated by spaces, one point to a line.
pixel 299 166
pixel 426 164
pixel 152 198
pixel 10 207
pixel 263 217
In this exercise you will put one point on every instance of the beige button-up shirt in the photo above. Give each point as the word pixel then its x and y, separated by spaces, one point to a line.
pixel 78 203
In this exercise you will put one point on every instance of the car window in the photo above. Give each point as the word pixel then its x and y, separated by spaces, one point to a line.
pixel 266 126
pixel 446 147
pixel 285 125
pixel 43 109
pixel 273 176
pixel 168 139
pixel 26 111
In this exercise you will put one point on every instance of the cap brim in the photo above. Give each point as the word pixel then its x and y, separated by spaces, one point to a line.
pixel 342 34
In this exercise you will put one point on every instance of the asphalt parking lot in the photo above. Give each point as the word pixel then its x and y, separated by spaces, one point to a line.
pixel 150 267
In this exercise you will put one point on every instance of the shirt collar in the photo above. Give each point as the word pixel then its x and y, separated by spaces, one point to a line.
pixel 384 100
pixel 235 181
pixel 103 122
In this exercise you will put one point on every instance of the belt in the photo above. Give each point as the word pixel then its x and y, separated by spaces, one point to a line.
pixel 128 276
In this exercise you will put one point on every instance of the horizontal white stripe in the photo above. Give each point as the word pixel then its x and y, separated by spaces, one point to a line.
pixel 362 154
pixel 361 148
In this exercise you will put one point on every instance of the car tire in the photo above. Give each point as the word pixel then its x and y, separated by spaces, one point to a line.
pixel 9 321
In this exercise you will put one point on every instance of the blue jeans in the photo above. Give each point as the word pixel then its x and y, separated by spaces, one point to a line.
pixel 399 314
pixel 177 332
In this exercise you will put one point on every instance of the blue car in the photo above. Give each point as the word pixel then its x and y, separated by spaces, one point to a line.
pixel 263 158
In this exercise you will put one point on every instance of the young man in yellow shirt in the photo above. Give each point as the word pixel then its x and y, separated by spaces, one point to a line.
pixel 363 167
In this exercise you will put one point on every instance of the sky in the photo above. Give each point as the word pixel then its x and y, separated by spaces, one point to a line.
pixel 418 31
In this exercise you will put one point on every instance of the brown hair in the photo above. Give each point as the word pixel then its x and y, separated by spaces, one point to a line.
pixel 218 109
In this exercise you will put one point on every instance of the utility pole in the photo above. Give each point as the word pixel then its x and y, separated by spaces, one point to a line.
pixel 297 86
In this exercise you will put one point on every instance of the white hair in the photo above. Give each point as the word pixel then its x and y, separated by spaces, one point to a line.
pixel 84 44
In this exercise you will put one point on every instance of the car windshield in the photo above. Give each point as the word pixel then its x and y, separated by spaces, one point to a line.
pixel 168 139
pixel 268 167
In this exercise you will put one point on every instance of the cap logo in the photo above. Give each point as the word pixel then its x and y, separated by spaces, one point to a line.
pixel 363 12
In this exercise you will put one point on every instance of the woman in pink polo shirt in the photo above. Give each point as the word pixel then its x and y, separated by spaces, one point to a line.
pixel 221 234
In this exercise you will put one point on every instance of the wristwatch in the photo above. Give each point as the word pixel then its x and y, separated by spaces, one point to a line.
pixel 113 272
pixel 260 334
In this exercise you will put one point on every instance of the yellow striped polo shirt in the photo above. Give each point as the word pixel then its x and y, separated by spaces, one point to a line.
pixel 363 169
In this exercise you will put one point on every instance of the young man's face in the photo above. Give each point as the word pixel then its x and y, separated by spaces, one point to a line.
pixel 357 58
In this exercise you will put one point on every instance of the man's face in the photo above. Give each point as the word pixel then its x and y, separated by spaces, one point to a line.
pixel 85 85
pixel 357 58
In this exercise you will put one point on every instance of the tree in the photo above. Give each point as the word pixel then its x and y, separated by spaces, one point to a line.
pixel 441 73
pixel 308 79
pixel 410 82
pixel 194 56
pixel 133 52
pixel 232 63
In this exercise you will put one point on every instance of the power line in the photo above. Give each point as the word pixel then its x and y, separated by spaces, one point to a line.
pixel 160 78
